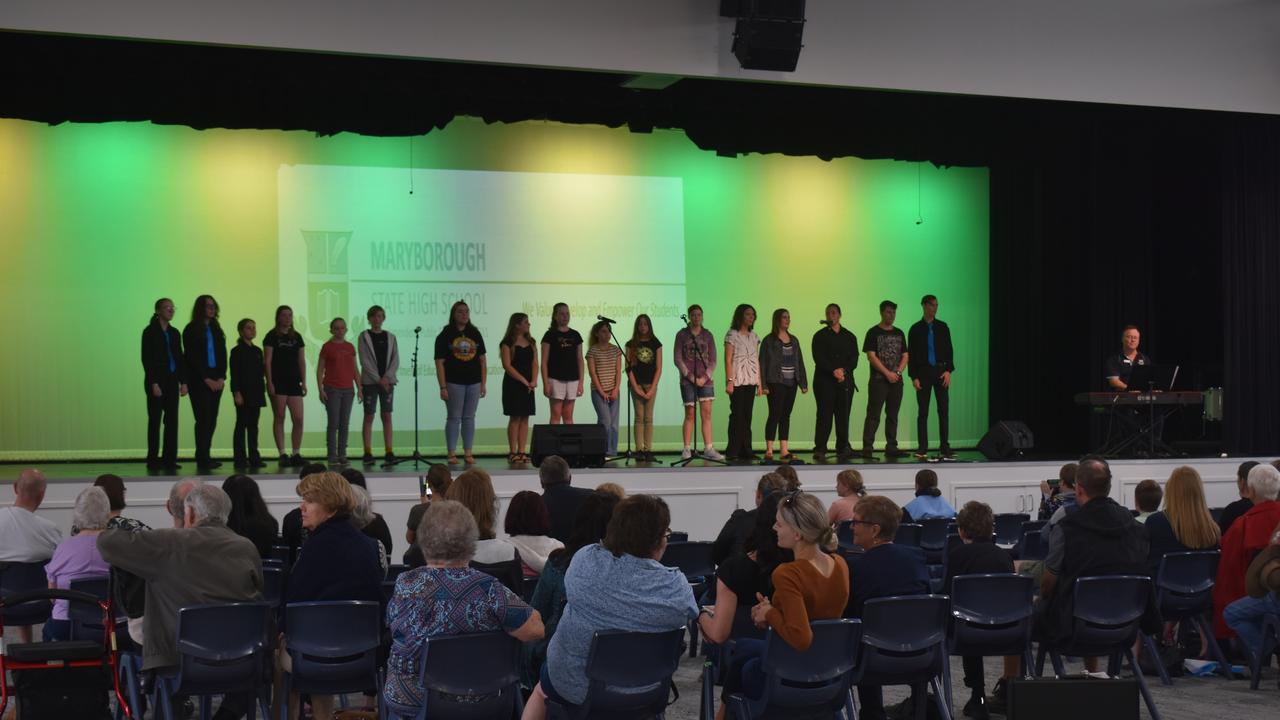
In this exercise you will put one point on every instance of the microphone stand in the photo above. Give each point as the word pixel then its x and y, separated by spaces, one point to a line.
pixel 417 456
pixel 626 370
pixel 697 408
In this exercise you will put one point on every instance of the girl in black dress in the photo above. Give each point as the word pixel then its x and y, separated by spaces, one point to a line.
pixel 519 384
pixel 286 366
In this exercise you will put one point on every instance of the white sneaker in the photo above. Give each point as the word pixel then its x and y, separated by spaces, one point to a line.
pixel 686 454
pixel 710 453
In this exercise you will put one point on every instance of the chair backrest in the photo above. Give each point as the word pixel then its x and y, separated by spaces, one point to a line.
pixel 991 614
pixel 272 584
pixel 86 619
pixel 222 648
pixel 904 638
pixel 1108 610
pixel 908 534
pixel 820 675
pixel 482 665
pixel 1033 526
pixel 1184 583
pixel 844 533
pixel 19 578
pixel 640 665
pixel 692 558
pixel 678 536
pixel 1009 527
pixel 508 572
pixel 394 570
pixel 334 645
pixel 933 533
pixel 1032 545
pixel 1216 513
pixel 283 553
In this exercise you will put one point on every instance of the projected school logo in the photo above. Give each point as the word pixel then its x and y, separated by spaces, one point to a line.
pixel 464 348
pixel 327 274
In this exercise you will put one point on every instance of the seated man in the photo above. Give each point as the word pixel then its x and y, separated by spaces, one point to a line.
pixel 1262 589
pixel 741 524
pixel 1247 536
pixel 202 563
pixel 562 499
pixel 1099 538
pixel 24 536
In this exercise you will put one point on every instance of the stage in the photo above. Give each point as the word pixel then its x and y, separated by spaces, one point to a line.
pixel 701 496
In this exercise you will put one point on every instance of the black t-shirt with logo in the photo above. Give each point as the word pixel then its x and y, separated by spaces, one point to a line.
pixel 460 350
pixel 644 359
pixel 1119 366
pixel 562 356
pixel 888 345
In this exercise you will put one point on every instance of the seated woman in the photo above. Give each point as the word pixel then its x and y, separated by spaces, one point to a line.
pixel 1185 523
pixel 742 577
pixel 617 585
pixel 446 597
pixel 929 502
pixel 589 526
pixel 249 516
pixel 336 562
pixel 883 569
pixel 527 524
pixel 413 556
pixel 814 586
pixel 850 488
pixel 369 522
pixel 77 557
pixel 474 489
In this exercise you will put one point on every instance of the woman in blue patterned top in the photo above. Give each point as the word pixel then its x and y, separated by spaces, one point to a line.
pixel 446 597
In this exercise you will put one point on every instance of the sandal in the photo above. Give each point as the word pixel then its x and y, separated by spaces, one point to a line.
pixel 513 458
pixel 469 459
pixel 452 459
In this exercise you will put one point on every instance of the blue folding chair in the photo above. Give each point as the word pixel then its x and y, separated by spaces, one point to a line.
pixel 17 578
pixel 222 649
pixel 509 572
pixel 991 615
pixel 1031 546
pixel 1184 591
pixel 628 675
pixel 694 560
pixel 1107 613
pixel 678 537
pixel 1009 527
pixel 804 683
pixel 467 677
pixel 908 534
pixel 333 647
pixel 904 642
pixel 394 570
pixel 844 534
pixel 273 585
pixel 933 538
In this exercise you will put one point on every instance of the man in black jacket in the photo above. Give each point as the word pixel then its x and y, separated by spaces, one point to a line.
pixel 930 364
pixel 1099 538
pixel 562 499
pixel 835 355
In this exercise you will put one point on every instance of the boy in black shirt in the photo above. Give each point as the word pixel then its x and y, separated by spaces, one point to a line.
pixel 931 365
pixel 886 349
pixel 835 356
pixel 249 390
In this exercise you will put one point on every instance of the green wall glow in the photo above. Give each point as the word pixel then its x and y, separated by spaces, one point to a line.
pixel 97 221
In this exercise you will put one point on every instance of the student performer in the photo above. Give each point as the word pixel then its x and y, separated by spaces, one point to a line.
pixel 644 363
pixel 339 389
pixel 932 360
pixel 742 380
pixel 249 390
pixel 379 362
pixel 164 377
pixel 461 370
pixel 519 384
pixel 286 365
pixel 562 365
pixel 782 371
pixel 206 348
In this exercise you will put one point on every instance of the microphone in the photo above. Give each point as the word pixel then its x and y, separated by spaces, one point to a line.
pixel 684 318
pixel 602 318
pixel 825 322
pixel 418 329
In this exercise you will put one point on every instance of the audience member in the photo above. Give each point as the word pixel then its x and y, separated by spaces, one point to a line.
pixel 613 489
pixel 1146 499
pixel 527 524
pixel 413 556
pixel 249 517
pixel 1055 497
pixel 291 530
pixel 1234 510
pixel 813 586
pixel 369 522
pixel 199 562
pixel 113 486
pixel 1185 523
pixel 741 524
pixel 549 596
pixel 474 489
pixel 439 478
pixel 1262 588
pixel 617 585
pixel 446 597
pixel 1247 537
pixel 883 569
pixel 978 555
pixel 1099 538
pixel 562 499
pixel 25 536
pixel 928 503
pixel 850 488
pixel 337 562
pixel 77 557
pixel 789 476
pixel 741 577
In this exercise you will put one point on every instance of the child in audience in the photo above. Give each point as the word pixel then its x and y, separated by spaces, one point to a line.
pixel 1146 499
pixel 929 502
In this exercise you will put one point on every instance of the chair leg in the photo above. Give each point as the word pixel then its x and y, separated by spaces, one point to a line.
pixel 946 679
pixel 1206 631
pixel 1142 684
pixel 693 639
pixel 1149 644
pixel 920 701
pixel 1059 670
pixel 206 707
pixel 944 702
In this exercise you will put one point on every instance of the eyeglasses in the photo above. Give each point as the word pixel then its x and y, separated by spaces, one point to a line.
pixel 863 522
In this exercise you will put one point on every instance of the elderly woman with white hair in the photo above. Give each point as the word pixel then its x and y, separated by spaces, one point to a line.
pixel 77 557
pixel 446 597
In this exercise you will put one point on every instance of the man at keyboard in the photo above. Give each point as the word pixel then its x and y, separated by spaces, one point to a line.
pixel 1118 368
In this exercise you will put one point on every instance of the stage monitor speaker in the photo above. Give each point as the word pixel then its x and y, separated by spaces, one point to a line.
pixel 580 445
pixel 768 34
pixel 1006 440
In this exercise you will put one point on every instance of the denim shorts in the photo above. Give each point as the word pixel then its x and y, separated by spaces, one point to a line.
pixel 373 394
pixel 689 391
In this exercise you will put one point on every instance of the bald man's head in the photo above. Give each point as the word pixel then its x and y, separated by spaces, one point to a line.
pixel 177 498
pixel 30 487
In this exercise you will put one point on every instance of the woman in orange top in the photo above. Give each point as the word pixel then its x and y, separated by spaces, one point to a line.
pixel 815 586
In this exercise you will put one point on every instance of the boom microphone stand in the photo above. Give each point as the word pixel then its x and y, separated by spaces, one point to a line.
pixel 626 370
pixel 417 456
pixel 697 405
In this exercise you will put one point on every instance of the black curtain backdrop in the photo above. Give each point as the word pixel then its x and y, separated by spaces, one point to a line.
pixel 1101 216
